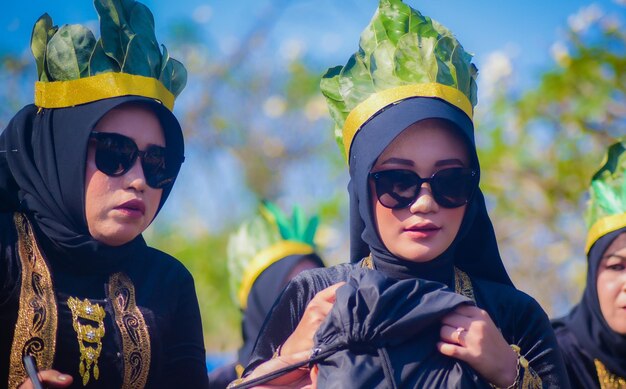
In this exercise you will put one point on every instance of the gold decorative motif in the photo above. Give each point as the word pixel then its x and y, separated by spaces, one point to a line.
pixel 88 334
pixel 463 284
pixel 607 379
pixel 135 335
pixel 36 326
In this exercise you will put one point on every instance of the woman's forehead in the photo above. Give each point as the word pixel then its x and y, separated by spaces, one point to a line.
pixel 427 140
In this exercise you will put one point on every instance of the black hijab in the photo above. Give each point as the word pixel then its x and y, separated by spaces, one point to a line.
pixel 42 173
pixel 586 321
pixel 476 238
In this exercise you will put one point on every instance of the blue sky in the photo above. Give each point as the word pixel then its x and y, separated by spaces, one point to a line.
pixel 328 29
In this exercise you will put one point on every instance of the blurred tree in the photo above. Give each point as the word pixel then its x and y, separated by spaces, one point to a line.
pixel 539 150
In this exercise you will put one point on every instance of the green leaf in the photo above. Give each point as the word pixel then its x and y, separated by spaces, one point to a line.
pixel 382 66
pixel 114 29
pixel 39 41
pixel 165 73
pixel 100 62
pixel 141 59
pixel 281 221
pixel 311 229
pixel 178 77
pixel 68 52
pixel 444 51
pixel 355 82
pixel 415 59
pixel 297 223
pixel 395 16
pixel 142 25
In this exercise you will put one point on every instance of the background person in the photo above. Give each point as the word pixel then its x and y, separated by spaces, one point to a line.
pixel 264 254
pixel 592 336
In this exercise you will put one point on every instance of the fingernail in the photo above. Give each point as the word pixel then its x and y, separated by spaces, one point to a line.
pixel 62 377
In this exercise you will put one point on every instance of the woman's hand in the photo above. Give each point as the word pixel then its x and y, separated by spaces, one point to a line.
pixel 50 378
pixel 316 311
pixel 470 335
pixel 297 378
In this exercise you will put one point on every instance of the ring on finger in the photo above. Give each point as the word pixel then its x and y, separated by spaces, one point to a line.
pixel 456 335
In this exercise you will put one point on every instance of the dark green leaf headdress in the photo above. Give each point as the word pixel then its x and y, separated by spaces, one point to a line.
pixel 76 68
pixel 263 240
pixel 606 210
pixel 402 54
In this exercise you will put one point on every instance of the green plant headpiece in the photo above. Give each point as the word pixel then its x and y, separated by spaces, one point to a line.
pixel 606 209
pixel 75 68
pixel 262 241
pixel 402 54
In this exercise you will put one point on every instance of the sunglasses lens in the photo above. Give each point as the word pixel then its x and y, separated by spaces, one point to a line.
pixel 115 153
pixel 156 168
pixel 453 187
pixel 396 188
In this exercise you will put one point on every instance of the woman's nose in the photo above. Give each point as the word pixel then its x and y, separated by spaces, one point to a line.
pixel 135 178
pixel 425 202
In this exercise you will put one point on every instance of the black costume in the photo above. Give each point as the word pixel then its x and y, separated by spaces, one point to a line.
pixel 585 337
pixel 474 252
pixel 49 265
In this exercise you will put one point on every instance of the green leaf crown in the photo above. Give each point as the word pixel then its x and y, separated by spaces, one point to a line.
pixel 399 47
pixel 127 44
pixel 606 207
pixel 260 236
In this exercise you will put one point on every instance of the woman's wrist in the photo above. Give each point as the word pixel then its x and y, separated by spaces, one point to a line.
pixel 513 376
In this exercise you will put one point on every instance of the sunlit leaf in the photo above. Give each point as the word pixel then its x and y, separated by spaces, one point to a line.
pixel 68 52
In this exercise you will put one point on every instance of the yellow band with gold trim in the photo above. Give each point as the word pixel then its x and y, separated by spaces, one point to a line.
pixel 62 94
pixel 370 106
pixel 264 259
pixel 602 227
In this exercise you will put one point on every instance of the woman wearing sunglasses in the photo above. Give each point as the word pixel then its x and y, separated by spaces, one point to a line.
pixel 83 172
pixel 593 335
pixel 403 105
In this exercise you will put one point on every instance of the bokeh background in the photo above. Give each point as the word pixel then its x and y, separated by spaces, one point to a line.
pixel 552 97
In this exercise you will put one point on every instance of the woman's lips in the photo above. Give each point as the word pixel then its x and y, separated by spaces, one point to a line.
pixel 132 208
pixel 423 230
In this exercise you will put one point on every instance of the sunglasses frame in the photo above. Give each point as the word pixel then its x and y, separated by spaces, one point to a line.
pixel 151 180
pixel 438 197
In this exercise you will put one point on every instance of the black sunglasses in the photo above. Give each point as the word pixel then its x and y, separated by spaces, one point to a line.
pixel 451 188
pixel 116 154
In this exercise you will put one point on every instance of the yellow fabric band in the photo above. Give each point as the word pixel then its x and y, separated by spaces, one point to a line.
pixel 264 259
pixel 374 103
pixel 602 227
pixel 62 94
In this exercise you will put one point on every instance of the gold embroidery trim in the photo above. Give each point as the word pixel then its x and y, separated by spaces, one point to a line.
pixel 607 379
pixel 135 335
pixel 89 337
pixel 463 284
pixel 36 326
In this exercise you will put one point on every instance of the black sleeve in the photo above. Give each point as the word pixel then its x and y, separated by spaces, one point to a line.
pixel 288 309
pixel 185 356
pixel 537 342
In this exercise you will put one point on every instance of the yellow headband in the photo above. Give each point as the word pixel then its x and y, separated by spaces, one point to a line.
pixel 602 227
pixel 62 94
pixel 374 103
pixel 264 259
